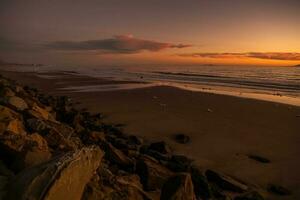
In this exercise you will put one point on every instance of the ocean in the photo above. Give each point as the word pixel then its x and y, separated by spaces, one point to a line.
pixel 275 81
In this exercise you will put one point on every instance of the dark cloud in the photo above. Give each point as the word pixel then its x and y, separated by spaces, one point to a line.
pixel 259 55
pixel 118 44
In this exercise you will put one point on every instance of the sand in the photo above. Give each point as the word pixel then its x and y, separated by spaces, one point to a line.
pixel 223 129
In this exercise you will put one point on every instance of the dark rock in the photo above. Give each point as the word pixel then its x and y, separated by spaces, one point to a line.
pixel 225 182
pixel 259 158
pixel 6 91
pixel 135 140
pixel 97 136
pixel 152 174
pixel 201 186
pixel 36 125
pixel 157 155
pixel 61 178
pixel 179 163
pixel 178 187
pixel 278 190
pixel 160 147
pixel 250 196
pixel 116 156
pixel 182 138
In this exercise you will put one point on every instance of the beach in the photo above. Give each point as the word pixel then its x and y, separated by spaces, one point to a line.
pixel 224 130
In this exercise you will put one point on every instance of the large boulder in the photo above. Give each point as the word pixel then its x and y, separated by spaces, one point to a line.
pixel 34 151
pixel 178 187
pixel 62 178
pixel 152 174
pixel 17 103
pixel 10 121
pixel 226 182
pixel 40 113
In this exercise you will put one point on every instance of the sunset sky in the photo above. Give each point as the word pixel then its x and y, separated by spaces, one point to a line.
pixel 98 32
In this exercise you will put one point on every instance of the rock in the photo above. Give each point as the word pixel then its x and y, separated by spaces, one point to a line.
pixel 34 151
pixel 250 196
pixel 57 140
pixel 40 113
pixel 152 174
pixel 97 136
pixel 6 92
pixel 106 185
pixel 179 163
pixel 118 157
pixel 182 138
pixel 10 121
pixel 259 158
pixel 123 188
pixel 160 147
pixel 61 178
pixel 178 187
pixel 17 103
pixel 135 140
pixel 36 125
pixel 225 182
pixel 157 155
pixel 201 186
pixel 278 190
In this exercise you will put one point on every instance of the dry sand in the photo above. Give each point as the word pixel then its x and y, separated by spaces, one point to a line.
pixel 223 129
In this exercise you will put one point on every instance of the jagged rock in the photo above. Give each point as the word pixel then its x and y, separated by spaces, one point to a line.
pixel 182 138
pixel 250 196
pixel 179 163
pixel 157 155
pixel 56 140
pixel 40 113
pixel 152 174
pixel 225 182
pixel 160 147
pixel 178 187
pixel 118 157
pixel 34 151
pixel 10 121
pixel 17 103
pixel 278 190
pixel 61 178
pixel 36 125
pixel 201 186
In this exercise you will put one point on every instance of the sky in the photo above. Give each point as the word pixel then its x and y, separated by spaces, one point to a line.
pixel 137 32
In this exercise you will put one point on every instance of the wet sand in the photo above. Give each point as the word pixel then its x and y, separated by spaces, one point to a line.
pixel 223 129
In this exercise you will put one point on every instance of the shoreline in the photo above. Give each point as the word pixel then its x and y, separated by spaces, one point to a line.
pixel 96 85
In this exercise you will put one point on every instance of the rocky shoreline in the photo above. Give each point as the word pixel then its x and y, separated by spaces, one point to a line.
pixel 51 150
